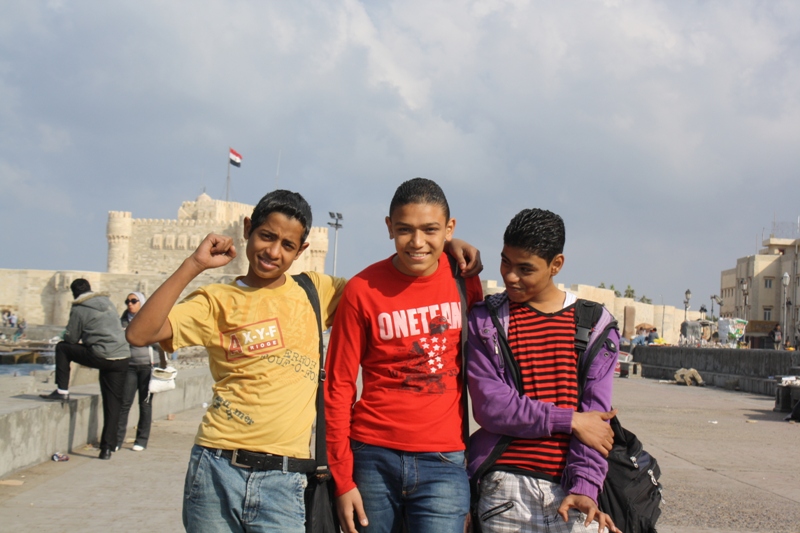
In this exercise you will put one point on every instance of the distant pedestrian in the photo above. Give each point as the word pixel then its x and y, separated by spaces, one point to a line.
pixel 12 320
pixel 6 314
pixel 94 338
pixel 138 380
pixel 652 336
pixel 776 337
pixel 20 333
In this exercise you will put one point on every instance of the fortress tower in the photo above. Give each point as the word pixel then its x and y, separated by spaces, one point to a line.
pixel 118 232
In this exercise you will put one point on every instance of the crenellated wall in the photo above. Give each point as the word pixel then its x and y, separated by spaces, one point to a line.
pixel 142 252
pixel 158 246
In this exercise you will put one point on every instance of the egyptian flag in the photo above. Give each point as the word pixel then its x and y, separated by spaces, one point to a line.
pixel 236 158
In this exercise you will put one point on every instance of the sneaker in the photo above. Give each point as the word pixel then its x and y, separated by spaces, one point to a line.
pixel 116 449
pixel 55 396
pixel 138 448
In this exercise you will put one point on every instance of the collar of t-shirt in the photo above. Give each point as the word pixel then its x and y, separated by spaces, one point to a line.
pixel 569 299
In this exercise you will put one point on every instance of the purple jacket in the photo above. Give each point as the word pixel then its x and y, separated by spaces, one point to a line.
pixel 500 410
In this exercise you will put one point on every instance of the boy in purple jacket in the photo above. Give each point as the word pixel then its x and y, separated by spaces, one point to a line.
pixel 539 458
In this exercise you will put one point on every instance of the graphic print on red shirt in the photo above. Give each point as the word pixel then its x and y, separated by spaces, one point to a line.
pixel 404 332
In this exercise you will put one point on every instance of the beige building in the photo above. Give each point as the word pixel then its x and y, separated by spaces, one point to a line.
pixel 755 290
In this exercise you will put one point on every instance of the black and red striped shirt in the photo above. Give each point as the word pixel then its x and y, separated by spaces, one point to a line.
pixel 544 346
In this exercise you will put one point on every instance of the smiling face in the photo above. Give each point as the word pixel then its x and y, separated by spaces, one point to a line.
pixel 133 304
pixel 272 247
pixel 419 232
pixel 528 278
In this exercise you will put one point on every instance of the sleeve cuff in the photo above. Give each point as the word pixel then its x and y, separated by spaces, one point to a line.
pixel 561 420
pixel 584 488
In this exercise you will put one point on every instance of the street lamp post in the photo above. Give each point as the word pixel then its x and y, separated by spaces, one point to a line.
pixel 744 293
pixel 785 288
pixel 336 225
pixel 688 295
pixel 713 299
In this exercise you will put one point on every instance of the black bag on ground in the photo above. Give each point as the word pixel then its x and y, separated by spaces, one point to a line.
pixel 631 492
pixel 321 516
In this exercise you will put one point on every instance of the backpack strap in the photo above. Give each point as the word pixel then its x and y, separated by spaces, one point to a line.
pixel 512 365
pixel 588 314
pixel 461 285
pixel 321 449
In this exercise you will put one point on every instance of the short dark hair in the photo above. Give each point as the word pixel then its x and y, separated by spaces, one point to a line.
pixel 537 231
pixel 79 286
pixel 291 204
pixel 419 191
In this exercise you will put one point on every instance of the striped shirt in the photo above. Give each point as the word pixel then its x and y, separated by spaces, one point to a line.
pixel 544 346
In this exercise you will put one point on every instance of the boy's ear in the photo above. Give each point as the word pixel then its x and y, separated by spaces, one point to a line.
pixel 556 264
pixel 247 224
pixel 449 229
pixel 301 249
pixel 389 227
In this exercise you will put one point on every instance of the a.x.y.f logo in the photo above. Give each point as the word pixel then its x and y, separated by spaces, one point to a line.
pixel 252 340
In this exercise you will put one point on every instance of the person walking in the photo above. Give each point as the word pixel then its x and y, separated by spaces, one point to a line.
pixel 776 337
pixel 138 379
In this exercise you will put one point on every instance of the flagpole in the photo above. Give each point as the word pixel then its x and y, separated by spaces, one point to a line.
pixel 228 182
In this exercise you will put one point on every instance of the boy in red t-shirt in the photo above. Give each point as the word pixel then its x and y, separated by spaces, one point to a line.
pixel 397 454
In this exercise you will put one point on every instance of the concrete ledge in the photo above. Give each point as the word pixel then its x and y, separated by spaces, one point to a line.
pixel 33 429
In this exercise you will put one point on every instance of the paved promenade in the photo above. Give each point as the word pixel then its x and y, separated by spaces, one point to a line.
pixel 729 464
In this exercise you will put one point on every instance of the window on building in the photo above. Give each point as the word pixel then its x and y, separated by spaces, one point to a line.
pixel 768 283
pixel 767 313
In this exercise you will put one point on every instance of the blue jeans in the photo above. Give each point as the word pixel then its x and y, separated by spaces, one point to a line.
pixel 429 491
pixel 220 497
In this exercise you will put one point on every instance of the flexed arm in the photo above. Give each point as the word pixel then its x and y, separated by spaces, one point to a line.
pixel 150 324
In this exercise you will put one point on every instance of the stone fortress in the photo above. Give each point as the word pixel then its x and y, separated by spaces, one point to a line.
pixel 158 246
pixel 143 252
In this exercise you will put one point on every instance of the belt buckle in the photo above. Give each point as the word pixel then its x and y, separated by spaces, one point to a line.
pixel 234 462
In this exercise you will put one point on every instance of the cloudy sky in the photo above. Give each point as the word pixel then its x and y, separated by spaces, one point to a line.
pixel 667 134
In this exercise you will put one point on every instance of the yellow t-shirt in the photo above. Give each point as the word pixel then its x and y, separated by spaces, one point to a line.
pixel 263 352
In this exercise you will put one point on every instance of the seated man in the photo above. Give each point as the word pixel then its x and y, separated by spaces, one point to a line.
pixel 93 322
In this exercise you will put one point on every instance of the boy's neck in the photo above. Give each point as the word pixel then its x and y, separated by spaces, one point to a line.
pixel 549 300
pixel 255 282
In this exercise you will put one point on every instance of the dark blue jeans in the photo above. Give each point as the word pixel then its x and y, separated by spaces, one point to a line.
pixel 429 491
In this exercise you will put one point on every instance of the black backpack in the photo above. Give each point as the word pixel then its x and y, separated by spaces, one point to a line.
pixel 631 493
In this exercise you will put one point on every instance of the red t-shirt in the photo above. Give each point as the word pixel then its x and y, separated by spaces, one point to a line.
pixel 405 333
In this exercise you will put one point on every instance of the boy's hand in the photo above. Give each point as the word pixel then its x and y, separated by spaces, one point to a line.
pixel 348 503
pixel 593 430
pixel 215 251
pixel 467 256
pixel 587 506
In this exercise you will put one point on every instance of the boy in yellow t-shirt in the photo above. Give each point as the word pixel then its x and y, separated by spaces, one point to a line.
pixel 248 466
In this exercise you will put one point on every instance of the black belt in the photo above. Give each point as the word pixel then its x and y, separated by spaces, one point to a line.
pixel 267 461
